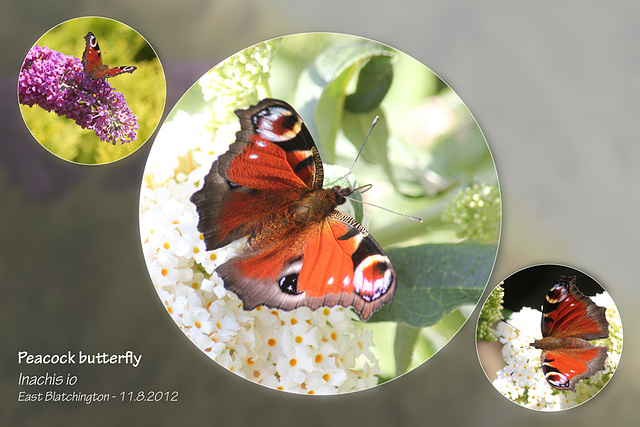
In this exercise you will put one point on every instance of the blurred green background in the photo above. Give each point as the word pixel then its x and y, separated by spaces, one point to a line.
pixel 144 90
pixel 554 89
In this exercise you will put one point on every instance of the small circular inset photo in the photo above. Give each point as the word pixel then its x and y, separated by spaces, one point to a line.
pixel 549 337
pixel 291 254
pixel 91 90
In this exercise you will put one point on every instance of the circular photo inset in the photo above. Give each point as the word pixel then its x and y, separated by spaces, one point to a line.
pixel 549 337
pixel 91 90
pixel 281 261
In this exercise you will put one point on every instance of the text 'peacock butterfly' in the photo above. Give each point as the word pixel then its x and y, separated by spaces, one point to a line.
pixel 300 250
pixel 569 321
pixel 92 61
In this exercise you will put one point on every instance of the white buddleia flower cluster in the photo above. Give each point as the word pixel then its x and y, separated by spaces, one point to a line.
pixel 302 351
pixel 237 80
pixel 522 379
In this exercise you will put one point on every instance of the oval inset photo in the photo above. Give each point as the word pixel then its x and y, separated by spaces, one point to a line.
pixel 91 90
pixel 549 337
pixel 283 263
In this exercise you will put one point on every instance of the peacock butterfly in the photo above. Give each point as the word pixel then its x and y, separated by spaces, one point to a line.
pixel 569 321
pixel 92 61
pixel 300 251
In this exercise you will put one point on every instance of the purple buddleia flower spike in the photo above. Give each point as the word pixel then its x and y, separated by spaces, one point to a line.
pixel 57 82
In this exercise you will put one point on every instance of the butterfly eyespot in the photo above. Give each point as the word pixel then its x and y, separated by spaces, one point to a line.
pixel 276 123
pixel 558 293
pixel 289 284
pixel 373 277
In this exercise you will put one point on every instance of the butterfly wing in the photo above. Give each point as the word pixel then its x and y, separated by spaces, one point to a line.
pixel 563 368
pixel 115 71
pixel 92 61
pixel 567 312
pixel 569 320
pixel 334 262
pixel 271 163
pixel 92 57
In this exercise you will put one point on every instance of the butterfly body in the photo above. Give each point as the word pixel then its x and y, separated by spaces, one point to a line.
pixel 569 321
pixel 300 251
pixel 555 343
pixel 92 61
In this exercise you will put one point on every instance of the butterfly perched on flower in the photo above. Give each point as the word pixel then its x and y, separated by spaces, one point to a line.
pixel 300 250
pixel 92 61
pixel 569 321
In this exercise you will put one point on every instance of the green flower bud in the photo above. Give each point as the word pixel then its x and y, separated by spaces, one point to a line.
pixel 491 313
pixel 476 213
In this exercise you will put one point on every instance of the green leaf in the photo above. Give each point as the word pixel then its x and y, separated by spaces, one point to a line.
pixel 322 89
pixel 435 279
pixel 374 81
pixel 328 115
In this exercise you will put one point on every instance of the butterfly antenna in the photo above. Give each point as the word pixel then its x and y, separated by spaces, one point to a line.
pixel 526 357
pixel 375 120
pixel 368 186
pixel 412 218
pixel 512 327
